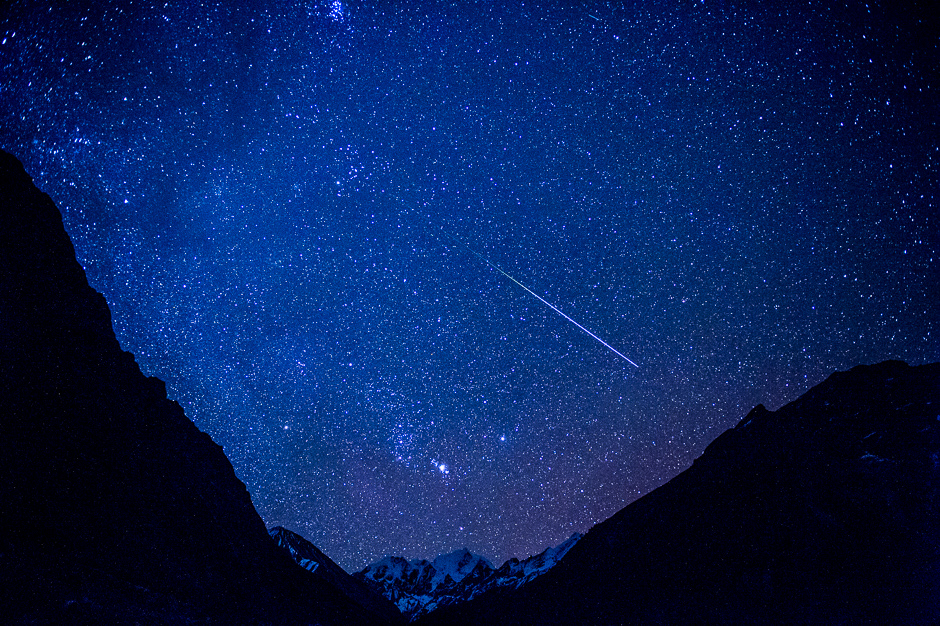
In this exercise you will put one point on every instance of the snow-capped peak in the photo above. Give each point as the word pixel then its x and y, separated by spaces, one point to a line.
pixel 420 587
pixel 457 564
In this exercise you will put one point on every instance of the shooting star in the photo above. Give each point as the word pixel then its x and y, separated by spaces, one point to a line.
pixel 543 300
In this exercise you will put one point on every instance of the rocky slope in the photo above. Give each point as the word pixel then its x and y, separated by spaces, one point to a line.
pixel 323 568
pixel 825 511
pixel 115 507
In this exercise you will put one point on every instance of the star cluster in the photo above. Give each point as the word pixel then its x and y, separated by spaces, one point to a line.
pixel 295 208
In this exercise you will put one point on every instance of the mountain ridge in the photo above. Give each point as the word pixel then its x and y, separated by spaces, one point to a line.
pixel 116 508
pixel 322 567
pixel 824 511
pixel 419 587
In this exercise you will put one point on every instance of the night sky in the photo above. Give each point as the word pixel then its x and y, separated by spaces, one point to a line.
pixel 296 211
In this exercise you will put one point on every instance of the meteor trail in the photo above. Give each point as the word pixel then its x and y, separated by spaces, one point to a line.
pixel 543 300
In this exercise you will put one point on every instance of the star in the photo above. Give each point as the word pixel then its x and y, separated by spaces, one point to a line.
pixel 739 225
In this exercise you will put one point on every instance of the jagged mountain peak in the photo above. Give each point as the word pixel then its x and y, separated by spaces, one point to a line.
pixel 458 564
pixel 419 587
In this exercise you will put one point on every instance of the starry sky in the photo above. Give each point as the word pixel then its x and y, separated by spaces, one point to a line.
pixel 314 220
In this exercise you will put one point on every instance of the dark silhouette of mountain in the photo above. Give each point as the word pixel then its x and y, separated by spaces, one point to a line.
pixel 312 559
pixel 114 507
pixel 825 511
